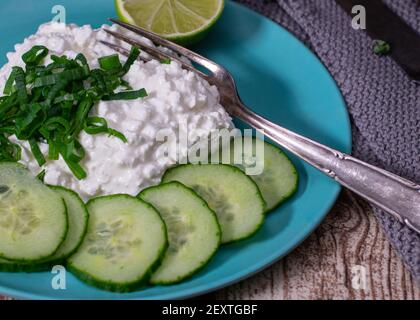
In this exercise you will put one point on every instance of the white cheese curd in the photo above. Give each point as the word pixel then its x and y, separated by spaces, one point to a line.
pixel 112 166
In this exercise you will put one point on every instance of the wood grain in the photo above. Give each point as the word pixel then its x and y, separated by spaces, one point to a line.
pixel 321 268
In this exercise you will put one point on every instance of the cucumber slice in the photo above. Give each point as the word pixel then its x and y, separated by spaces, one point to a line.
pixel 279 179
pixel 124 244
pixel 77 220
pixel 193 230
pixel 33 218
pixel 234 197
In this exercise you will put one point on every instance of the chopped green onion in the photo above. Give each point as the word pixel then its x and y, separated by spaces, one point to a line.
pixel 98 76
pixel 134 54
pixel 35 55
pixel 73 151
pixel 76 169
pixel 112 83
pixel 117 134
pixel 126 85
pixel 80 57
pixel 60 60
pixel 39 157
pixel 66 97
pixel 9 83
pixel 8 150
pixel 57 124
pixel 32 119
pixel 166 61
pixel 67 76
pixel 381 47
pixel 7 105
pixel 111 62
pixel 53 152
pixel 95 125
pixel 41 175
pixel 7 129
pixel 82 112
pixel 126 95
pixel 20 82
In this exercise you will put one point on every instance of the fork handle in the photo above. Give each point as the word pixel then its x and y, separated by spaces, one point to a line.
pixel 393 194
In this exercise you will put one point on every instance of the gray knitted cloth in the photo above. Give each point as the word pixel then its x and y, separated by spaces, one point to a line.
pixel 383 103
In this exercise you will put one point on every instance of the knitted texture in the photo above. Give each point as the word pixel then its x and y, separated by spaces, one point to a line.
pixel 384 104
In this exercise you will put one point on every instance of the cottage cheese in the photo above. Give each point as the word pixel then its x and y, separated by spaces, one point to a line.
pixel 176 96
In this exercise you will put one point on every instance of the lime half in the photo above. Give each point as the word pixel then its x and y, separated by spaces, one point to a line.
pixel 182 21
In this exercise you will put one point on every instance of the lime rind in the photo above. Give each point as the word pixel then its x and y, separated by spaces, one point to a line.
pixel 182 38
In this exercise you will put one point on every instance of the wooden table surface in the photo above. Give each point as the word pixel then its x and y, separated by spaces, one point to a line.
pixel 348 243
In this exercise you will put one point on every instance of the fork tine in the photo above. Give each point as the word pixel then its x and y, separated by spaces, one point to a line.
pixel 121 50
pixel 210 65
pixel 155 53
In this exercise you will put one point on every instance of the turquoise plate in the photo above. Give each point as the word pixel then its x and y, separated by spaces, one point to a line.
pixel 279 78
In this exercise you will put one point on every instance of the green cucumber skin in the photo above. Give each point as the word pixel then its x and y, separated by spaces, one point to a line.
pixel 205 263
pixel 43 259
pixel 128 286
pixel 62 259
pixel 234 168
pixel 293 191
pixel 28 268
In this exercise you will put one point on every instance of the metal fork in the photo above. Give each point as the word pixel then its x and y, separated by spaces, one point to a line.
pixel 393 194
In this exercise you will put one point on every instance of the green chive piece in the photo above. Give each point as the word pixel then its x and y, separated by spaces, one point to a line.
pixel 117 134
pixel 20 81
pixel 126 95
pixel 8 150
pixel 39 157
pixel 76 169
pixel 9 83
pixel 34 56
pixel 41 175
pixel 73 151
pixel 95 125
pixel 134 54
pixel 381 47
pixel 111 62
pixel 53 153
pixel 30 122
